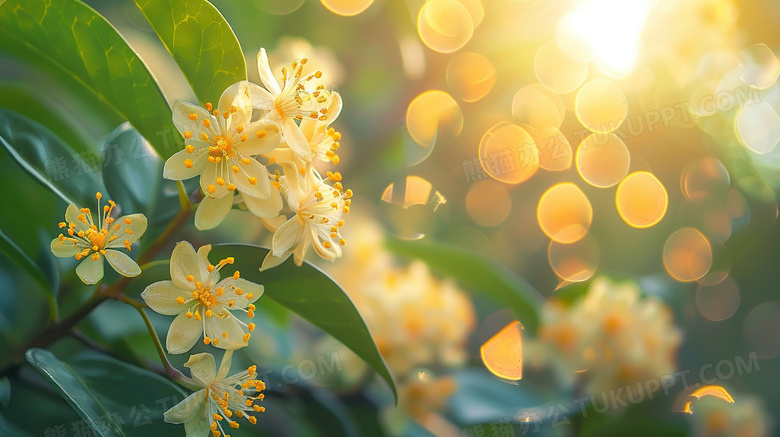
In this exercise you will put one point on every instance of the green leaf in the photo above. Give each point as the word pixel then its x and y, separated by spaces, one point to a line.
pixel 311 294
pixel 201 41
pixel 477 273
pixel 70 39
pixel 26 100
pixel 72 177
pixel 5 392
pixel 113 398
pixel 14 252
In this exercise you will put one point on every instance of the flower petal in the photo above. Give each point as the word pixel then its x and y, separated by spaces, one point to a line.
pixel 265 208
pixel 203 368
pixel 272 224
pixel 176 170
pixel 287 236
pixel 238 96
pixel 281 154
pixel 123 264
pixel 184 262
pixel 72 216
pixel 183 334
pixel 240 300
pixel 272 261
pixel 186 410
pixel 209 177
pixel 64 248
pixel 181 118
pixel 128 229
pixel 261 137
pixel 217 327
pixel 261 188
pixel 266 75
pixel 200 423
pixel 295 139
pixel 90 270
pixel 211 212
pixel 161 298
pixel 224 365
pixel 300 250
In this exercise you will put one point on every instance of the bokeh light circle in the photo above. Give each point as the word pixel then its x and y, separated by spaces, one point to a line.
pixel 601 106
pixel 641 200
pixel 471 76
pixel 488 203
pixel 761 327
pixel 564 213
pixel 409 206
pixel 508 153
pixel 555 150
pixel 557 71
pixel 719 301
pixel 444 25
pixel 280 7
pixel 347 8
pixel 576 262
pixel 603 160
pixel 705 178
pixel 758 127
pixel 430 112
pixel 687 255
pixel 538 107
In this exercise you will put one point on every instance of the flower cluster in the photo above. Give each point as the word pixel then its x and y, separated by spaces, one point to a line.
pixel 284 124
pixel 612 334
pixel 90 241
pixel 713 417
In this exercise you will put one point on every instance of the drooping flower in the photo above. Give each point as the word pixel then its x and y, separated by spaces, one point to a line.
pixel 222 401
pixel 323 140
pixel 295 97
pixel 220 145
pixel 203 305
pixel 318 209
pixel 91 241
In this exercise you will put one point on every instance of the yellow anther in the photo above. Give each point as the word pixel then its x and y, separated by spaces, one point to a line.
pixel 216 416
pixel 239 128
pixel 231 303
pixel 233 109
pixel 239 413
pixel 239 291
pixel 193 116
pixel 189 148
pixel 224 335
pixel 246 161
pixel 195 295
pixel 251 327
pixel 271 160
pixel 180 300
pixel 327 244
pixel 211 188
pixel 249 296
pixel 216 113
pixel 231 187
pixel 188 163
pixel 252 419
pixel 209 107
pixel 204 136
pixel 235 169
pixel 336 160
pixel 246 337
pixel 228 414
pixel 346 210
pixel 340 223
pixel 197 316
pixel 187 134
pixel 233 424
pixel 211 159
pixel 62 225
pixel 191 278
pixel 207 340
pixel 343 242
pixel 209 313
pixel 129 231
pixel 230 260
pixel 250 314
pixel 256 408
pixel 220 181
pixel 216 341
pixel 251 307
pixel 252 180
pixel 236 275
pixel 98 195
pixel 349 194
pixel 244 137
pixel 261 133
pixel 210 268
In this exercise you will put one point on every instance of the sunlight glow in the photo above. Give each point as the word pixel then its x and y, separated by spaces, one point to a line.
pixel 607 31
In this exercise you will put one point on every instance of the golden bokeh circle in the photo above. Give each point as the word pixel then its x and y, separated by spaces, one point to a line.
pixel 687 255
pixel 471 76
pixel 508 153
pixel 347 8
pixel 430 112
pixel 601 106
pixel 603 160
pixel 444 26
pixel 564 213
pixel 557 71
pixel 641 200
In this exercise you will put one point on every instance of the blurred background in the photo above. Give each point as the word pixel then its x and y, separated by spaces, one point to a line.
pixel 619 155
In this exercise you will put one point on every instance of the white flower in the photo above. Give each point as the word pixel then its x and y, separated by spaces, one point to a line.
pixel 91 241
pixel 323 140
pixel 220 144
pixel 221 398
pixel 318 209
pixel 290 99
pixel 202 303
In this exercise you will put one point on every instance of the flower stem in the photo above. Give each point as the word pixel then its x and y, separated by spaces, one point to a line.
pixel 159 262
pixel 169 369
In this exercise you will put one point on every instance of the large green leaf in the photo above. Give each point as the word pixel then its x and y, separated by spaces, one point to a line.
pixel 69 38
pixel 113 398
pixel 201 41
pixel 477 273
pixel 73 177
pixel 5 392
pixel 311 294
